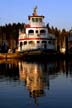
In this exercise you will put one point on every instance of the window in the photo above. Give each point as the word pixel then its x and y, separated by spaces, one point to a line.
pixel 51 41
pixel 40 19
pixel 33 19
pixel 38 41
pixel 20 44
pixel 36 31
pixel 42 31
pixel 44 41
pixel 25 42
pixel 31 42
pixel 36 19
pixel 30 31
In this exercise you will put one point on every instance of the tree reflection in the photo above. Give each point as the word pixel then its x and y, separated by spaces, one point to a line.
pixel 9 69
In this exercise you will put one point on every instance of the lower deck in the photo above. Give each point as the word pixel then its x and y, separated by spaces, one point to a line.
pixel 25 45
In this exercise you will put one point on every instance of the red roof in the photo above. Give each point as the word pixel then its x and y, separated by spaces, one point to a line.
pixel 27 25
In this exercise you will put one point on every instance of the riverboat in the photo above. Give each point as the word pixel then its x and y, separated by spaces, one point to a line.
pixel 35 40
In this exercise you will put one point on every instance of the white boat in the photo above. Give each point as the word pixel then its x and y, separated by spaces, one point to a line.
pixel 36 40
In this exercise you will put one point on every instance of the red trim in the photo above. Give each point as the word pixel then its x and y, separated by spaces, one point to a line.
pixel 27 25
pixel 33 39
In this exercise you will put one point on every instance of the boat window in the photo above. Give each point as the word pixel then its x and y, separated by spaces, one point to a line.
pixel 30 31
pixel 31 42
pixel 20 43
pixel 40 19
pixel 38 41
pixel 36 19
pixel 44 41
pixel 42 31
pixel 25 42
pixel 33 19
pixel 51 41
pixel 36 31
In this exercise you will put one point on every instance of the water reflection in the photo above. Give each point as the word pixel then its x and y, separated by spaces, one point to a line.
pixel 9 69
pixel 36 77
pixel 69 68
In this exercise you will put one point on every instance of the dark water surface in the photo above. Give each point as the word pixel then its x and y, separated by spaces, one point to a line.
pixel 35 85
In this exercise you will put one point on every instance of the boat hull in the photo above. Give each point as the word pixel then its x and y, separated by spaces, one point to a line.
pixel 39 54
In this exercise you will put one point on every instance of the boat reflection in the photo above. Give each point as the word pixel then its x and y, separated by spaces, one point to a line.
pixel 37 76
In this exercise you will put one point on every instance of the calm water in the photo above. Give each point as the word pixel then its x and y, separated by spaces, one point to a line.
pixel 35 85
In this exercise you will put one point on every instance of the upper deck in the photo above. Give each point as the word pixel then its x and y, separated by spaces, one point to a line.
pixel 36 20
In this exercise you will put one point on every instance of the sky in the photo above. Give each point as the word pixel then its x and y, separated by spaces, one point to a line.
pixel 58 13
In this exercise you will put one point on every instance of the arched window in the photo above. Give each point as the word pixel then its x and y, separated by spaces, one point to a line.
pixel 44 41
pixel 31 42
pixel 31 32
pixel 44 44
pixel 25 42
pixel 21 44
pixel 42 31
pixel 38 42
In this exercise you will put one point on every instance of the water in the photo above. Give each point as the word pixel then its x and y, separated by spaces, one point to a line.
pixel 35 85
